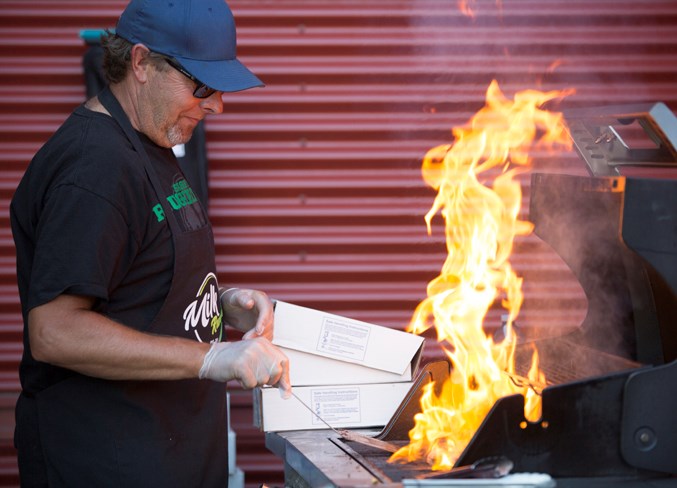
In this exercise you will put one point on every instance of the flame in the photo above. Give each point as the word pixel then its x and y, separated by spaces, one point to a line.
pixel 481 223
pixel 466 7
pixel 554 65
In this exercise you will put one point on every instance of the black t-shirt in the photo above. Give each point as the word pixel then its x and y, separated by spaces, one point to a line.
pixel 89 219
pixel 86 221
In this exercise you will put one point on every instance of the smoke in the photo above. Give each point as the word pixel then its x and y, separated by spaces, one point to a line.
pixel 579 218
pixel 454 58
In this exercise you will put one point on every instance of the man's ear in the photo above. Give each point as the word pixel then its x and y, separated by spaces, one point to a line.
pixel 140 62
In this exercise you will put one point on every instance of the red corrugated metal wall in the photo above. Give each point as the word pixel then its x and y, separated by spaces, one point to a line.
pixel 315 191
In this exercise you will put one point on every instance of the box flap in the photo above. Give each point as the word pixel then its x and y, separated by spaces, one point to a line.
pixel 344 339
pixel 308 369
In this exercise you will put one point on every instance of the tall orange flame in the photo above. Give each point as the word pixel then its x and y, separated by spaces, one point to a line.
pixel 481 223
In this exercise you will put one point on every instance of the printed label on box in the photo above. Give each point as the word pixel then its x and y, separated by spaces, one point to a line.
pixel 336 405
pixel 344 339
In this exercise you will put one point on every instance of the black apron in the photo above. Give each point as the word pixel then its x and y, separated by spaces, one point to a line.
pixel 144 433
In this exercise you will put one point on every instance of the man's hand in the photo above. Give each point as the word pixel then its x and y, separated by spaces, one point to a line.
pixel 249 311
pixel 252 363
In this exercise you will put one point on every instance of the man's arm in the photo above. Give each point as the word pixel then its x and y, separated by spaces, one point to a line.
pixel 67 333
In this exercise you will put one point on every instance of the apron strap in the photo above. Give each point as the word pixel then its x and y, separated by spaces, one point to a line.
pixel 111 104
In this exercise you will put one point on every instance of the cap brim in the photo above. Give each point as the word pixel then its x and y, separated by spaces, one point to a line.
pixel 223 75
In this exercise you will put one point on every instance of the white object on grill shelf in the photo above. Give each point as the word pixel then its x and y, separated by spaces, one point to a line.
pixel 516 480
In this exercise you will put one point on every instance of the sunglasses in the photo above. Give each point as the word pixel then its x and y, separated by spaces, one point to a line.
pixel 201 90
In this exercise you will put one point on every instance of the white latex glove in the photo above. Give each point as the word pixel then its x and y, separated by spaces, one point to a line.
pixel 249 311
pixel 254 362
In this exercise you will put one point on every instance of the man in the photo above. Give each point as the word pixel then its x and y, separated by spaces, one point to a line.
pixel 124 349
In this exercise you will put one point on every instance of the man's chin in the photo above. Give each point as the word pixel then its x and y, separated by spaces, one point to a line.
pixel 176 136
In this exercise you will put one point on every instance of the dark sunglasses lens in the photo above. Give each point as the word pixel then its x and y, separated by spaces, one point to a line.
pixel 203 91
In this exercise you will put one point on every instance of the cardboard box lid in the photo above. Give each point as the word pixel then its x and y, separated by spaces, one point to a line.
pixel 353 341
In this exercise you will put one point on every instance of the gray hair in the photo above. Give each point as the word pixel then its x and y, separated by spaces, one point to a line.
pixel 117 55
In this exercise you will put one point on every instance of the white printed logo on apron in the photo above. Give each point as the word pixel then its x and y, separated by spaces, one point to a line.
pixel 203 315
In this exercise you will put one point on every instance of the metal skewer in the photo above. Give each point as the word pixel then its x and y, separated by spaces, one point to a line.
pixel 315 413
pixel 352 436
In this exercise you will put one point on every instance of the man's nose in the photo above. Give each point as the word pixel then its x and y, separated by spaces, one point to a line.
pixel 213 104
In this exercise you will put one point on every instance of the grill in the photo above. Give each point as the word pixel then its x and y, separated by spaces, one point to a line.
pixel 608 407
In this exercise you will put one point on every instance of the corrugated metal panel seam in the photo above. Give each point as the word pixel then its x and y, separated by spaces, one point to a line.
pixel 315 188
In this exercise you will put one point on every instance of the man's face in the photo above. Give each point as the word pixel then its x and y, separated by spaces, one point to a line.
pixel 168 111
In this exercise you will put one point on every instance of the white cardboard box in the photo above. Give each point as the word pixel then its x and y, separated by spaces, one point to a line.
pixel 341 406
pixel 342 339
pixel 307 369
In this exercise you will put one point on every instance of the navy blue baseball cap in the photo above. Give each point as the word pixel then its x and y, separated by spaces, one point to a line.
pixel 199 34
